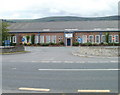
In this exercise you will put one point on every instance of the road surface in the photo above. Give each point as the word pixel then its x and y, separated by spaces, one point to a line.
pixel 56 70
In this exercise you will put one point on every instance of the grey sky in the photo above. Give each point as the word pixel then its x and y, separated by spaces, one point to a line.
pixel 31 9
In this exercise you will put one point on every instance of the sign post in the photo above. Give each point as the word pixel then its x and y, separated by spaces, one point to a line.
pixel 113 38
pixel 7 42
pixel 23 39
pixel 79 40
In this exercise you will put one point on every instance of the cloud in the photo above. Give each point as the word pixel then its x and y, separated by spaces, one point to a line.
pixel 44 8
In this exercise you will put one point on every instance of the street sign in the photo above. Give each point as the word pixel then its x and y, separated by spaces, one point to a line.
pixel 69 35
pixel 79 40
pixel 23 39
pixel 113 38
pixel 7 42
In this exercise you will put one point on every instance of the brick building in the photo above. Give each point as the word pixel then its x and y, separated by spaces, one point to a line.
pixel 66 31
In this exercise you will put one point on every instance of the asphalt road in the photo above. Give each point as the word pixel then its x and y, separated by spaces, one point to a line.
pixel 57 70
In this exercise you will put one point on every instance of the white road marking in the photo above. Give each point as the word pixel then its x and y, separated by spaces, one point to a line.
pixel 114 61
pixel 34 89
pixel 33 61
pixel 100 91
pixel 14 68
pixel 49 61
pixel 78 69
pixel 56 61
pixel 46 61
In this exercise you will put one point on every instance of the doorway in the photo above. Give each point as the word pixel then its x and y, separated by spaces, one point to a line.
pixel 68 42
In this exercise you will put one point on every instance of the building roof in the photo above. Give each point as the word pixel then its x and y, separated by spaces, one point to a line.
pixel 64 26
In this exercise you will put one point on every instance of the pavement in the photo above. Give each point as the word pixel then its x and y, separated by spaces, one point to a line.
pixel 57 70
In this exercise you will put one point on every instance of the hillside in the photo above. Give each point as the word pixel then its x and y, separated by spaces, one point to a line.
pixel 65 18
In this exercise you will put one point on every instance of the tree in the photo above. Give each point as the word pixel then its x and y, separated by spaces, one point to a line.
pixel 3 31
pixel 0 33
pixel 33 39
pixel 27 37
pixel 107 37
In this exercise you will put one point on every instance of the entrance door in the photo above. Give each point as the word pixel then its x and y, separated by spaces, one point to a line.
pixel 68 42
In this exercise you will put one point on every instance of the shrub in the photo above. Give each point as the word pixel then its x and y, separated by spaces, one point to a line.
pixel 95 44
pixel 75 44
pixel 105 44
pixel 117 44
pixel 25 44
pixel 20 43
pixel 34 44
pixel 28 44
pixel 13 44
pixel 57 44
pixel 101 44
pixel 114 44
pixel 45 44
pixel 110 44
pixel 61 43
pixel 52 43
pixel 86 44
pixel 38 44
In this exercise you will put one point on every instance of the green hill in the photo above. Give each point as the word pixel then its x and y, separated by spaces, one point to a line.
pixel 65 18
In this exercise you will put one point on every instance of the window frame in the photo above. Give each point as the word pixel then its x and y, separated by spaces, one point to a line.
pixel 92 39
pixel 102 39
pixel 42 39
pixel 111 39
pixel 96 38
pixel 53 38
pixel 48 40
pixel 84 38
pixel 14 39
pixel 115 39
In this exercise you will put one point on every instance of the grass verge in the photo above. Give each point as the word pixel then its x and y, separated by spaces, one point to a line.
pixel 19 52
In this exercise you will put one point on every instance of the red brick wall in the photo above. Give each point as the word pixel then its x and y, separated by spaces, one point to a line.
pixel 62 34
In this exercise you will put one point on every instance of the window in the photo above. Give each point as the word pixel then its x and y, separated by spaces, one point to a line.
pixel 41 39
pixel 53 39
pixel 103 38
pixel 47 39
pixel 14 39
pixel 60 38
pixel 36 39
pixel 84 38
pixel 97 38
pixel 110 39
pixel 91 38
pixel 10 38
pixel 30 39
pixel 116 40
